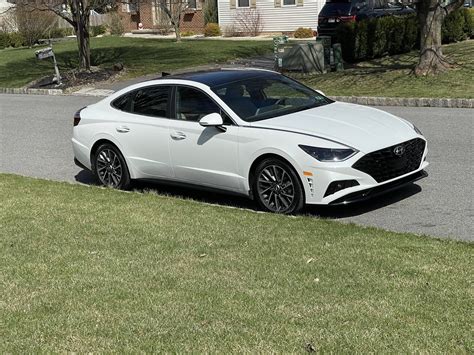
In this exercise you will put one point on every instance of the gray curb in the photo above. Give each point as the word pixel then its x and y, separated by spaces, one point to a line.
pixel 31 91
pixel 405 101
pixel 361 100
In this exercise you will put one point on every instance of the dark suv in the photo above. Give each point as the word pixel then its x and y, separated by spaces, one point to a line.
pixel 335 12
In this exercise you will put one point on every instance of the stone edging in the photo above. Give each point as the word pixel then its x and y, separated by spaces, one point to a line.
pixel 404 101
pixel 361 100
pixel 31 91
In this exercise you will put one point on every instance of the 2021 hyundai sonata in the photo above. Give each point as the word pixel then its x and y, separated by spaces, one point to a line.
pixel 251 132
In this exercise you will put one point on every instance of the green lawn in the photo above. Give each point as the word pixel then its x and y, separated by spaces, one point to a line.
pixel 87 269
pixel 392 77
pixel 140 56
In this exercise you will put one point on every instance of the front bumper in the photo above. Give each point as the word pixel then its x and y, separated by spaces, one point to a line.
pixel 318 177
pixel 379 190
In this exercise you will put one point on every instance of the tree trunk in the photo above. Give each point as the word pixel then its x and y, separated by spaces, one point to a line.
pixel 177 32
pixel 81 16
pixel 83 42
pixel 431 16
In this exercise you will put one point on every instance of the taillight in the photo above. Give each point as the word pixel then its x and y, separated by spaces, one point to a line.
pixel 77 117
pixel 347 18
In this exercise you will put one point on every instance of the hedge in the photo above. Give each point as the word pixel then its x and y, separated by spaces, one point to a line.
pixel 11 39
pixel 376 37
pixel 458 26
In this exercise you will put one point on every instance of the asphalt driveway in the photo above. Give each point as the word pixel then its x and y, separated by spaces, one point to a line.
pixel 35 136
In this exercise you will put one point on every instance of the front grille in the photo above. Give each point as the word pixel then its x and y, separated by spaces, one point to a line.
pixel 384 164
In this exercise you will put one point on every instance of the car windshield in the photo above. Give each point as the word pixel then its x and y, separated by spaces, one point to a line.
pixel 260 98
pixel 336 8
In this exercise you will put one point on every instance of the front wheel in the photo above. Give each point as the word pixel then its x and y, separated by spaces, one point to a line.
pixel 277 188
pixel 110 167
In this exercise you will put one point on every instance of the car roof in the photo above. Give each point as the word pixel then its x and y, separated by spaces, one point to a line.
pixel 219 77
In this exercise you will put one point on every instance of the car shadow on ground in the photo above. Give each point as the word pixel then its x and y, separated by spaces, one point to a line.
pixel 332 212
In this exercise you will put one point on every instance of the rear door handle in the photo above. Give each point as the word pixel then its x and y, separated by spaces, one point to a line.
pixel 122 129
pixel 178 136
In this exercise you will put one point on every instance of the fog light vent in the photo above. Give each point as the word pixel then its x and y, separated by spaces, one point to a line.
pixel 336 186
pixel 311 188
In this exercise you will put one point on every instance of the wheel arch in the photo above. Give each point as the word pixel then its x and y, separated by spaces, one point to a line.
pixel 103 140
pixel 262 157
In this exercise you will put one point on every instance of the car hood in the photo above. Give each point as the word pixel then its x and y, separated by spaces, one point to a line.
pixel 361 127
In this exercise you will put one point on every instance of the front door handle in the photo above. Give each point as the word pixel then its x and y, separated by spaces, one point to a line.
pixel 122 129
pixel 178 136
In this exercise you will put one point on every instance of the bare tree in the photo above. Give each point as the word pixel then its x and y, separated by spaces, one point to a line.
pixel 77 14
pixel 431 14
pixel 174 10
pixel 32 24
pixel 249 21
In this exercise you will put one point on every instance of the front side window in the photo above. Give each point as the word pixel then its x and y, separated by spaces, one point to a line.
pixel 243 3
pixel 192 104
pixel 192 4
pixel 262 98
pixel 151 101
pixel 289 2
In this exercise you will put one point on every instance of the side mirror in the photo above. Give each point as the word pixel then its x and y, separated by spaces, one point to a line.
pixel 320 92
pixel 212 119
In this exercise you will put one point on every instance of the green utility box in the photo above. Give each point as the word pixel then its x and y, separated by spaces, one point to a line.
pixel 305 57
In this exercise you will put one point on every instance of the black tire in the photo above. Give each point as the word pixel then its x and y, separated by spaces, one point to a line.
pixel 110 167
pixel 277 188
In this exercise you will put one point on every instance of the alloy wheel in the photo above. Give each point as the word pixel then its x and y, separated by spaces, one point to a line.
pixel 109 168
pixel 275 188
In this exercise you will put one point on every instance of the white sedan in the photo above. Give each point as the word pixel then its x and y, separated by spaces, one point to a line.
pixel 251 132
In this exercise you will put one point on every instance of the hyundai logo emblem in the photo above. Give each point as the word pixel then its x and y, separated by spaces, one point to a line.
pixel 399 150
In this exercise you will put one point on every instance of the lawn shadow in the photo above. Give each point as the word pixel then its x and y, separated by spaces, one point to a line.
pixel 224 199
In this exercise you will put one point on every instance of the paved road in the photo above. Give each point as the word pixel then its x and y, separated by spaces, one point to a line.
pixel 35 141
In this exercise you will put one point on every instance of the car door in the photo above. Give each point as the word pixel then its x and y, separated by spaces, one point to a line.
pixel 202 155
pixel 143 130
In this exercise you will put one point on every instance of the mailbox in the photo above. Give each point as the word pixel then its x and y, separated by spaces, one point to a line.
pixel 44 53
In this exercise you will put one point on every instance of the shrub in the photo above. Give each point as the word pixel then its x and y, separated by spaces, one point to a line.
pixel 210 12
pixel 187 34
pixel 98 30
pixel 469 22
pixel 61 32
pixel 33 24
pixel 4 39
pixel 376 37
pixel 17 40
pixel 115 24
pixel 303 33
pixel 249 22
pixel 410 35
pixel 452 29
pixel 212 30
pixel 231 31
pixel 346 37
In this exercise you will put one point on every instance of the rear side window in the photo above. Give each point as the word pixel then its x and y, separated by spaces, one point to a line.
pixel 147 101
pixel 122 103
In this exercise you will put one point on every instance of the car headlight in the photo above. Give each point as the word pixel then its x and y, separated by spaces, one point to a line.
pixel 417 130
pixel 329 154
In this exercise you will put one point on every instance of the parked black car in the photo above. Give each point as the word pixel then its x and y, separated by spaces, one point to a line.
pixel 335 12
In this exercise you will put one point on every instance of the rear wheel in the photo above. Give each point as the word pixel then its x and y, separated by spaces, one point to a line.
pixel 277 188
pixel 110 167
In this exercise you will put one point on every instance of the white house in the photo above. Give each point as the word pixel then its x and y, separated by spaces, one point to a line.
pixel 276 15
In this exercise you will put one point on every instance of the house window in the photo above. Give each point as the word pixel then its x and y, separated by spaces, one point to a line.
pixel 289 2
pixel 192 4
pixel 243 3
